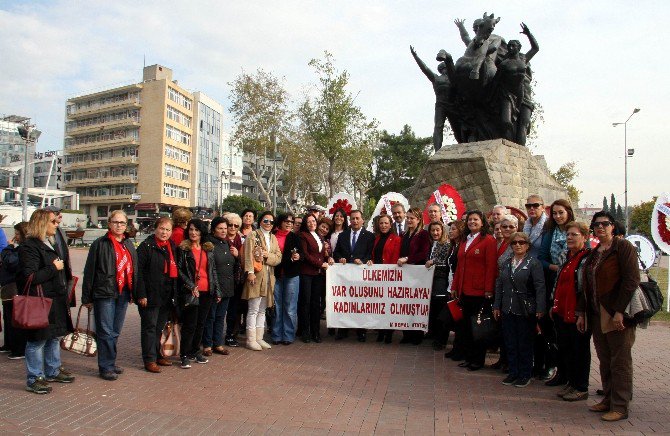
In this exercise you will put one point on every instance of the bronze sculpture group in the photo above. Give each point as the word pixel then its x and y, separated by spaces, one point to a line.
pixel 487 93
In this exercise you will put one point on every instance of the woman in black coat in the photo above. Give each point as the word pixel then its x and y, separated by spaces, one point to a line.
pixel 10 270
pixel 42 266
pixel 198 290
pixel 225 273
pixel 157 272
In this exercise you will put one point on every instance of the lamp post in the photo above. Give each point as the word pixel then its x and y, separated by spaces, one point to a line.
pixel 29 134
pixel 625 165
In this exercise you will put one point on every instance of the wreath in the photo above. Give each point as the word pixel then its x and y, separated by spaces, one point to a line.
pixel 664 225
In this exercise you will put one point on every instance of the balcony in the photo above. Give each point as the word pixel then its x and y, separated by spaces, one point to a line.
pixel 129 103
pixel 100 181
pixel 101 145
pixel 110 161
pixel 103 199
pixel 82 130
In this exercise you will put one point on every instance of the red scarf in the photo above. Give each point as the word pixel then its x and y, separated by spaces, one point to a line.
pixel 171 264
pixel 565 293
pixel 124 264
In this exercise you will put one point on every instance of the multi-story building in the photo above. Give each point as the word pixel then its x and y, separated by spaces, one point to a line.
pixel 137 147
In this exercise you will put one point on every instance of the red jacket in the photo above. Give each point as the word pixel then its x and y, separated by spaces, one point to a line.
pixel 419 248
pixel 391 251
pixel 311 257
pixel 477 268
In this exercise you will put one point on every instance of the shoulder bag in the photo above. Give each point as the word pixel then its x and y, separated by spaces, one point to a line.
pixel 81 341
pixel 257 254
pixel 484 327
pixel 170 338
pixel 31 312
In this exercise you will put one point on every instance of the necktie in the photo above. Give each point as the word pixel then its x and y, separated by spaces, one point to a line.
pixel 399 228
pixel 353 240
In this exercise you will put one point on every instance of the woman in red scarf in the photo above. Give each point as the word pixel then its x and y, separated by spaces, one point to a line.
pixel 110 279
pixel 157 272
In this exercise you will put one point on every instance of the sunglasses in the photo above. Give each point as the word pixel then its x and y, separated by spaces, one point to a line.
pixel 518 243
pixel 602 224
pixel 237 226
pixel 289 221
pixel 266 221
pixel 508 227
pixel 533 205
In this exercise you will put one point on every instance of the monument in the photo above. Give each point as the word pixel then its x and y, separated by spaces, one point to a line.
pixel 487 98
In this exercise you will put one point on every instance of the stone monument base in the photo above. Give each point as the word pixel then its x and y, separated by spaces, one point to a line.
pixel 487 173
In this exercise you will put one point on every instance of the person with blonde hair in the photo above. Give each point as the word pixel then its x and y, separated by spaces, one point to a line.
pixel 41 266
pixel 180 217
pixel 236 306
pixel 109 284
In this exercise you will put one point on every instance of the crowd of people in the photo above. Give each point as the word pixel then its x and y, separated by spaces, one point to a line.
pixel 539 280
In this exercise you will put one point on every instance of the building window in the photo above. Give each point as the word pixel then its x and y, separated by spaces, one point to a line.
pixel 177 173
pixel 177 135
pixel 175 191
pixel 179 98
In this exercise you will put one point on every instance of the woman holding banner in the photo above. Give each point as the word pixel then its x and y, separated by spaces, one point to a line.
pixel 474 282
pixel 386 250
pixel 414 250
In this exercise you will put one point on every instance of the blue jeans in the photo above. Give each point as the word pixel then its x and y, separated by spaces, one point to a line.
pixel 42 359
pixel 519 336
pixel 286 306
pixel 213 333
pixel 110 313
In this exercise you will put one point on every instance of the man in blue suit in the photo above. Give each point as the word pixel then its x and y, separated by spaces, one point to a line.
pixel 354 245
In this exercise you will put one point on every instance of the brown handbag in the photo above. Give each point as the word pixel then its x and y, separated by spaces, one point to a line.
pixel 81 341
pixel 258 264
pixel 31 312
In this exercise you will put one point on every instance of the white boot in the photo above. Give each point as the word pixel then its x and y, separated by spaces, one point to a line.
pixel 259 338
pixel 251 341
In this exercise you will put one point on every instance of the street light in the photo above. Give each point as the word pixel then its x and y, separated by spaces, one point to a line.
pixel 625 164
pixel 29 134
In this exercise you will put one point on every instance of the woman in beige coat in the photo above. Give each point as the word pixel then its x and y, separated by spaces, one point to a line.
pixel 260 248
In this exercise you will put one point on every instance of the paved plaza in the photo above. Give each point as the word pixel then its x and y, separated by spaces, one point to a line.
pixel 328 388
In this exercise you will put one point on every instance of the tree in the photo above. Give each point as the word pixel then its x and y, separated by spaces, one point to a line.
pixel 640 218
pixel 237 203
pixel 262 121
pixel 605 208
pixel 619 216
pixel 613 205
pixel 398 161
pixel 564 176
pixel 340 135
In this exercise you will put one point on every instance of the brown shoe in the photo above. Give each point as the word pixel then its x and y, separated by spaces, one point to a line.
pixel 164 362
pixel 612 416
pixel 152 367
pixel 600 407
pixel 576 395
pixel 221 350
pixel 207 352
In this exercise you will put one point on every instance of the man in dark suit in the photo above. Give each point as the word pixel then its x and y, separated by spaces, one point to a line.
pixel 354 245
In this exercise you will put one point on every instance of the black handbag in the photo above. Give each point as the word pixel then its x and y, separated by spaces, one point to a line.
pixel 483 325
pixel 190 300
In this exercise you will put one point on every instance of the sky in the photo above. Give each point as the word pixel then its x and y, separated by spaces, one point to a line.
pixel 598 60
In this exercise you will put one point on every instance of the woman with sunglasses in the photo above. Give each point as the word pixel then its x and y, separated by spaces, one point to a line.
pixel 236 306
pixel 474 282
pixel 534 225
pixel 520 302
pixel 261 256
pixel 611 276
pixel 287 281
pixel 574 347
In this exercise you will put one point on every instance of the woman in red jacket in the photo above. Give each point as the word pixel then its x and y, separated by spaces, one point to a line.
pixel 474 281
pixel 386 250
pixel 414 250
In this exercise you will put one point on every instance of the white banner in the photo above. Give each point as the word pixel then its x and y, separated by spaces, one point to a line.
pixel 378 296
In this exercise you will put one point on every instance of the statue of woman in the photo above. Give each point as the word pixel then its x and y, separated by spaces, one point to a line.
pixel 511 75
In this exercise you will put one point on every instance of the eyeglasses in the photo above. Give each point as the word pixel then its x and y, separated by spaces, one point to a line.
pixel 54 221
pixel 602 224
pixel 266 221
pixel 518 243
pixel 508 227
pixel 289 221
pixel 533 205
pixel 237 226
pixel 118 223
pixel 573 234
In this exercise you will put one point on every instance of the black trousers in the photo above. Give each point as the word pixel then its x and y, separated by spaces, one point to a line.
pixel 15 339
pixel 152 322
pixel 193 324
pixel 309 304
pixel 475 352
pixel 574 351
pixel 546 349
pixel 436 328
pixel 236 308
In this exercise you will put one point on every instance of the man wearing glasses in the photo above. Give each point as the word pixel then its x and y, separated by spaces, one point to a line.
pixel 535 223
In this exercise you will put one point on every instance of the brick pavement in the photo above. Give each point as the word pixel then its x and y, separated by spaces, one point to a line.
pixel 329 388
